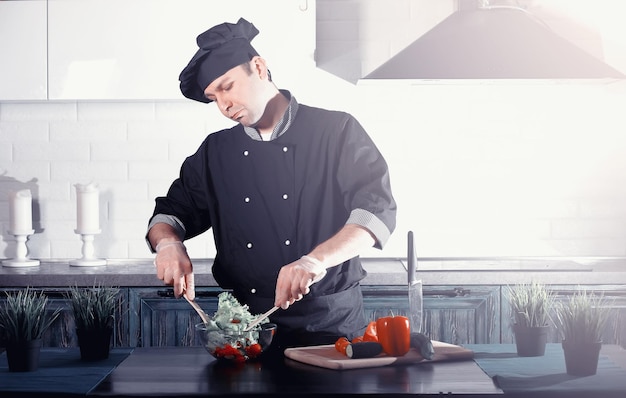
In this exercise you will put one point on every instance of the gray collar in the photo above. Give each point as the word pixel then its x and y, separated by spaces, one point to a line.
pixel 283 124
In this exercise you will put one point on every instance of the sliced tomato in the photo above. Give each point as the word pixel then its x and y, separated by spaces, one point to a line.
pixel 341 344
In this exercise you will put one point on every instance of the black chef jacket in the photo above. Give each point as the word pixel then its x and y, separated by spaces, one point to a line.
pixel 270 202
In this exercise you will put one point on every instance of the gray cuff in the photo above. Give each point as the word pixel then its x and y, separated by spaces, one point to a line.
pixel 170 220
pixel 368 220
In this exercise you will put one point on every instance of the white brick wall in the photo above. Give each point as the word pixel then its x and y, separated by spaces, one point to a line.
pixel 477 169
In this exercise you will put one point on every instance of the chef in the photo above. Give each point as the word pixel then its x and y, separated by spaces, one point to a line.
pixel 293 194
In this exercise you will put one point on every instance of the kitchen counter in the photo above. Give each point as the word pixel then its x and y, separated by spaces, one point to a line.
pixel 381 271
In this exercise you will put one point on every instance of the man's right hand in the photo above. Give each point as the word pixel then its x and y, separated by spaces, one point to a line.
pixel 174 267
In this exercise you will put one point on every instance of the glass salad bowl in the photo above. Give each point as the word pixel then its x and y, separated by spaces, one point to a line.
pixel 233 344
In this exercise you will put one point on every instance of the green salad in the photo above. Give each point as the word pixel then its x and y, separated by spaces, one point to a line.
pixel 231 315
pixel 225 330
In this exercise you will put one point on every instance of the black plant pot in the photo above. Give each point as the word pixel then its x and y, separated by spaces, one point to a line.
pixel 530 341
pixel 581 359
pixel 94 344
pixel 23 356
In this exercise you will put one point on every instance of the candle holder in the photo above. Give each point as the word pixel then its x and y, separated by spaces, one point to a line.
pixel 21 259
pixel 88 259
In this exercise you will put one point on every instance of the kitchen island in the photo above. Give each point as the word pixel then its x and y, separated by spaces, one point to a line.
pixel 192 372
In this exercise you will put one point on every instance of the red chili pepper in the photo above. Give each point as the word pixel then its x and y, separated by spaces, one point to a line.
pixel 394 334
pixel 371 333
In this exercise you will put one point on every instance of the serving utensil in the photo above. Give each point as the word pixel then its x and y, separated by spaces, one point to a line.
pixel 261 318
pixel 200 311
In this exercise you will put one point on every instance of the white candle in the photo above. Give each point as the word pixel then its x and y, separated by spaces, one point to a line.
pixel 21 211
pixel 88 208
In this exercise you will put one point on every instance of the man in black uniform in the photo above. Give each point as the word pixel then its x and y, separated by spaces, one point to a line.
pixel 293 193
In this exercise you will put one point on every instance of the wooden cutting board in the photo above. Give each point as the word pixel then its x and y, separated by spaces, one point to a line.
pixel 326 356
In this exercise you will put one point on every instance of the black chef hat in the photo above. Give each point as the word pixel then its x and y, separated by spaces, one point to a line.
pixel 222 47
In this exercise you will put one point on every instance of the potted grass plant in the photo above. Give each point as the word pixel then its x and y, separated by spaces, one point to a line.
pixel 581 320
pixel 530 317
pixel 24 319
pixel 94 315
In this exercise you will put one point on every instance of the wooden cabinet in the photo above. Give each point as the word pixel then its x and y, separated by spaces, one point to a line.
pixel 160 319
pixel 135 50
pixel 152 316
pixel 23 45
pixel 457 315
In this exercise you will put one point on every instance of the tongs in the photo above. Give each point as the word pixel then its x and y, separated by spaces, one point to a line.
pixel 260 319
pixel 200 311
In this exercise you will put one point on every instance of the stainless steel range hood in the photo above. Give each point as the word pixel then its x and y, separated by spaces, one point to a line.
pixel 493 43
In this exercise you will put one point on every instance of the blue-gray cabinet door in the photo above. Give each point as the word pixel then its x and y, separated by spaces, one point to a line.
pixel 160 319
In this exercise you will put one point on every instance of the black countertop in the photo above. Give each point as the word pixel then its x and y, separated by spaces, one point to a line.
pixel 191 372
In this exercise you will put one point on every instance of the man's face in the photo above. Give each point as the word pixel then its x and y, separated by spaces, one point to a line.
pixel 240 94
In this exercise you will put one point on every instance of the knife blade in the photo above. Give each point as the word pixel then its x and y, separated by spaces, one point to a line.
pixel 415 288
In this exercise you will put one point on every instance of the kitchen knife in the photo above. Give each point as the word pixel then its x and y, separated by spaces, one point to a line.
pixel 415 288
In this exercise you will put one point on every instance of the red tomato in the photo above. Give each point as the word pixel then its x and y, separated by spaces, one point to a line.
pixel 254 350
pixel 341 344
pixel 357 339
pixel 228 351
